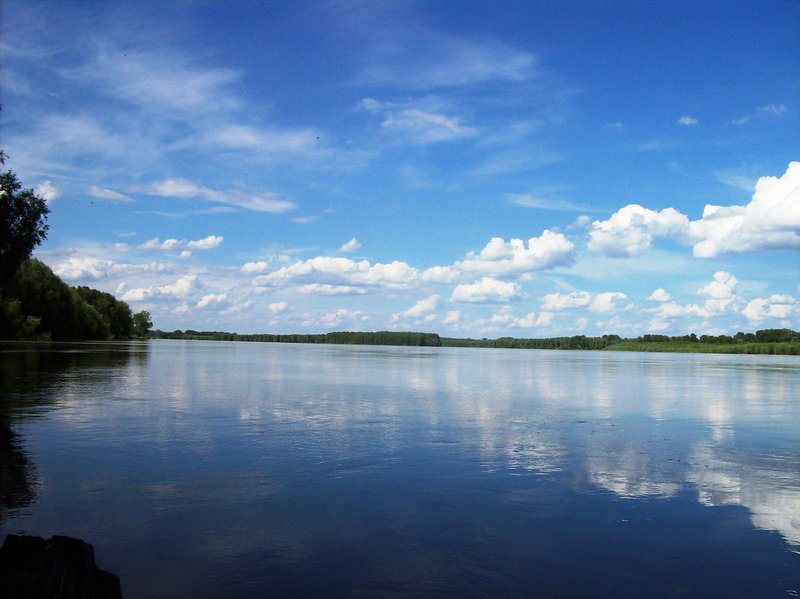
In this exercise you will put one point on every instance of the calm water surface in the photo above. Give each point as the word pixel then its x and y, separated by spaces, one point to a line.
pixel 264 470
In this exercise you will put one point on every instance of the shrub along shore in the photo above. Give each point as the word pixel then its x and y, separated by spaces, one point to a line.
pixel 768 341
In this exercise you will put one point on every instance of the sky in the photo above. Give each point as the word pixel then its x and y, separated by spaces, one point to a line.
pixel 473 169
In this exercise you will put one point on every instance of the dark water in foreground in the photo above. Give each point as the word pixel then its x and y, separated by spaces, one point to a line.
pixel 260 470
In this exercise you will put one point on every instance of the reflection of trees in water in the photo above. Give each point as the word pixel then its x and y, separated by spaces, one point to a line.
pixel 17 476
pixel 32 377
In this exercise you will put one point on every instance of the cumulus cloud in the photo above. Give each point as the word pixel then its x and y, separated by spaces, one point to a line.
pixel 278 307
pixel 83 268
pixel 421 308
pixel 687 121
pixel 207 243
pixel 659 295
pixel 181 288
pixel 610 301
pixel 505 318
pixel 251 267
pixel 770 221
pixel 324 270
pixel 325 289
pixel 513 257
pixel 631 230
pixel 776 306
pixel 47 191
pixel 211 298
pixel 440 274
pixel 335 318
pixel 351 246
pixel 720 294
pixel 452 317
pixel 101 193
pixel 574 299
pixel 487 290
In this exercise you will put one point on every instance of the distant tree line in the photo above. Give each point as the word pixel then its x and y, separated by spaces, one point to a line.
pixel 338 337
pixel 574 342
pixel 768 341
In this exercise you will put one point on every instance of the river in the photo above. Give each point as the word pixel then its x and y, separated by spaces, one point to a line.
pixel 214 469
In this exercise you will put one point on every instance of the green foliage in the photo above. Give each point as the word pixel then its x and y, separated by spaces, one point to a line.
pixel 337 338
pixel 142 324
pixel 744 343
pixel 36 304
pixel 22 223
pixel 115 313
pixel 63 314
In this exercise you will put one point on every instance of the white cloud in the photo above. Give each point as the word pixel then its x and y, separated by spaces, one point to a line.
pixel 83 268
pixel 452 317
pixel 631 230
pixel 47 191
pixel 278 307
pixel 418 125
pixel 486 290
pixel 184 188
pixel 770 221
pixel 440 274
pixel 251 267
pixel 326 289
pixel 211 298
pixel 427 127
pixel 162 81
pixel 687 121
pixel 351 246
pixel 773 109
pixel 659 295
pixel 546 199
pixel 610 301
pixel 574 299
pixel 420 58
pixel 505 318
pixel 265 142
pixel 722 287
pixel 207 243
pixel 101 193
pixel 776 306
pixel 498 257
pixel 335 318
pixel 181 288
pixel 339 273
pixel 421 308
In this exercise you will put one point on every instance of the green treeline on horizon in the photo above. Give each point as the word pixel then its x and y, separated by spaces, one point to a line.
pixel 767 341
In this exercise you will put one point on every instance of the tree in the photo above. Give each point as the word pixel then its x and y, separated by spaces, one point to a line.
pixel 22 223
pixel 115 313
pixel 142 323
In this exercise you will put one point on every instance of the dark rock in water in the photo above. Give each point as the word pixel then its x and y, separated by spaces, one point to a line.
pixel 59 567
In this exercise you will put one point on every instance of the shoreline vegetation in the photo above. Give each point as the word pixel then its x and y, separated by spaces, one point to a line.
pixel 36 305
pixel 767 341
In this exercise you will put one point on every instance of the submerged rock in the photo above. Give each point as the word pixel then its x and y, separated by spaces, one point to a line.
pixel 62 567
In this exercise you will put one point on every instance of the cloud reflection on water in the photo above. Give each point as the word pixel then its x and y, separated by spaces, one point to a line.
pixel 230 439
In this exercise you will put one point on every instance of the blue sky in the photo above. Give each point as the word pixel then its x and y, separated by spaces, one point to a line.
pixel 468 168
